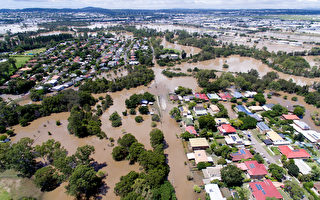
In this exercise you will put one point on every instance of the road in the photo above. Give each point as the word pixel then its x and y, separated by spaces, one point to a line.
pixel 259 148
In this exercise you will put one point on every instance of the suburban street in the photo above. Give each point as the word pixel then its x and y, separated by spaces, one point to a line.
pixel 259 148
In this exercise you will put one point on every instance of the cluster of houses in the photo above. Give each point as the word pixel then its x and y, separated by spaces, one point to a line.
pixel 260 187
pixel 69 63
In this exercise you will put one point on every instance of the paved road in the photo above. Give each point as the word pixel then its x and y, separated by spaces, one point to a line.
pixel 259 148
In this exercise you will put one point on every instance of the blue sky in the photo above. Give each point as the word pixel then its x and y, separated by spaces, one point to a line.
pixel 162 4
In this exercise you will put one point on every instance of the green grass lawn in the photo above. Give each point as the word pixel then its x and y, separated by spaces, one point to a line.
pixel 284 195
pixel 35 51
pixel 4 195
pixel 275 150
pixel 21 60
pixel 175 50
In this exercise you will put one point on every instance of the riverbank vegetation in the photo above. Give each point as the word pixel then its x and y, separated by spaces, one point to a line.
pixel 152 182
pixel 137 76
pixel 12 113
pixel 51 166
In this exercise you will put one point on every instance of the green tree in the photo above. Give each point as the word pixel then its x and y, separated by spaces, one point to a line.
pixel 83 182
pixel 138 119
pixel 276 171
pixel 21 157
pixel 186 136
pixel 143 110
pixel 47 178
pixel 293 169
pixel 156 138
pixel 119 153
pixel 127 140
pixel 115 119
pixel 124 187
pixel 135 150
pixel 83 154
pixel 294 190
pixel 260 98
pixel 299 111
pixel 258 158
pixel 208 122
pixel 232 176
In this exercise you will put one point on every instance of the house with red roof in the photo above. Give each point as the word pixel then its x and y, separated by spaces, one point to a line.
pixel 289 152
pixel 192 130
pixel 226 129
pixel 223 96
pixel 290 117
pixel 254 169
pixel 201 96
pixel 241 154
pixel 15 76
pixel 262 190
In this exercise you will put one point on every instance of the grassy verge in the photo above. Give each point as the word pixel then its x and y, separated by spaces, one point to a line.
pixel 275 150
pixel 4 195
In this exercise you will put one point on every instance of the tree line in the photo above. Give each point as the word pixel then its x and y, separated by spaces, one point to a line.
pixel 137 76
pixel 12 113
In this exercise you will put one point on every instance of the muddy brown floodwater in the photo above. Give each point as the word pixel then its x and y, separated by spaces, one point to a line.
pixel 38 130
pixel 309 108
pixel 188 49
pixel 241 64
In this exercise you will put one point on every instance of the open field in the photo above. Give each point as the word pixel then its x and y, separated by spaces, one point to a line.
pixel 34 51
pixel 21 60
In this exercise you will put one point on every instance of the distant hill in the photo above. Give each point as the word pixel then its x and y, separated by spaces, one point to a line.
pixel 232 12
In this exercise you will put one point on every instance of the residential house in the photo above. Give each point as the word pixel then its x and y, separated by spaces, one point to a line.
pixel 262 127
pixel 226 129
pixel 214 109
pixel 220 121
pixel 262 190
pixel 290 117
pixel 212 173
pixel 200 110
pixel 213 96
pixel 276 138
pixel 201 96
pixel 199 156
pixel 192 130
pixel 254 169
pixel 233 139
pixel 304 168
pixel 294 153
pixel 241 154
pixel 198 143
pixel 214 192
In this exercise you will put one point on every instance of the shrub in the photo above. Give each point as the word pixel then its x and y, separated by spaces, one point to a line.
pixel 138 119
pixel 133 111
pixel 3 137
pixel 196 188
pixel 155 118
pixel 58 123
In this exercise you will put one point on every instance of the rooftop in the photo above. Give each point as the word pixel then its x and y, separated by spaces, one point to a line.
pixel 241 154
pixel 255 168
pixel 198 142
pixel 262 190
pixel 290 153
